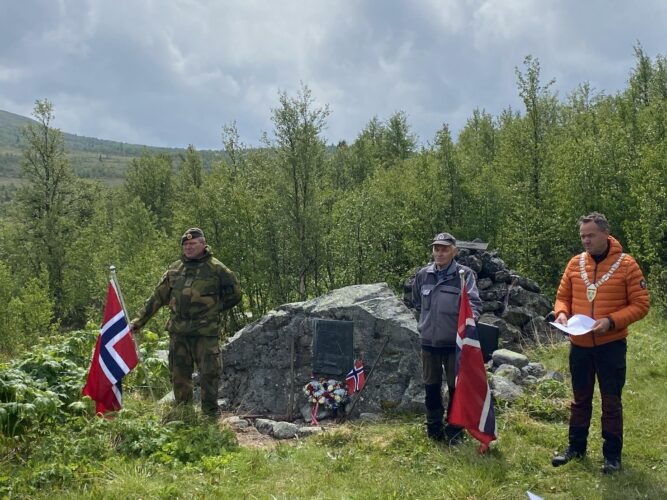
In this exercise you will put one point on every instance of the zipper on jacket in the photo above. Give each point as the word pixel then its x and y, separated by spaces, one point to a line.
pixel 595 275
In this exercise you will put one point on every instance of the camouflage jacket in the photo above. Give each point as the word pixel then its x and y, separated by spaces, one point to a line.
pixel 197 292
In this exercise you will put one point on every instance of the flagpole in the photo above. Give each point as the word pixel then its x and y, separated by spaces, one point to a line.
pixel 114 279
pixel 463 279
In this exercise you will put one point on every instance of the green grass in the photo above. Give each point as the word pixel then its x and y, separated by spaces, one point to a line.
pixel 392 459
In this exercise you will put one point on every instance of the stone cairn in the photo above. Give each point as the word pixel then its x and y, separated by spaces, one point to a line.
pixel 510 302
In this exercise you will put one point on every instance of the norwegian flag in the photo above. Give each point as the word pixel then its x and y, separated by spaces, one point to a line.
pixel 356 379
pixel 472 406
pixel 115 355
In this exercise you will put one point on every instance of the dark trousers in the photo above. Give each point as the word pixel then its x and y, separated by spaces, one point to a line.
pixel 607 362
pixel 184 352
pixel 435 364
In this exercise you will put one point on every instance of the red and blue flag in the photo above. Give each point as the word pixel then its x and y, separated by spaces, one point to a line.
pixel 472 405
pixel 115 355
pixel 356 379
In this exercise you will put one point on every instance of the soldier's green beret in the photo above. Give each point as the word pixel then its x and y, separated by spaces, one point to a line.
pixel 193 232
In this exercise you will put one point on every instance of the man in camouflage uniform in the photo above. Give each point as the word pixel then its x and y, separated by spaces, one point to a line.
pixel 197 289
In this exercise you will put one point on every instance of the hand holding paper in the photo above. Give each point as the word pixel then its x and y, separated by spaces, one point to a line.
pixel 576 325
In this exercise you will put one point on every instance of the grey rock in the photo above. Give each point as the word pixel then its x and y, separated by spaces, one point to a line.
pixel 510 336
pixel 529 285
pixel 517 316
pixel 371 417
pixel 502 276
pixel 257 363
pixel 510 372
pixel 505 390
pixel 284 430
pixel 305 431
pixel 236 422
pixel 529 380
pixel 492 306
pixel 535 302
pixel 497 291
pixel 472 261
pixel 552 375
pixel 484 283
pixel 264 425
pixel 536 370
pixel 492 266
pixel 505 356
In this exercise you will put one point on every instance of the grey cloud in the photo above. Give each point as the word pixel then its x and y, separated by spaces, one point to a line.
pixel 172 73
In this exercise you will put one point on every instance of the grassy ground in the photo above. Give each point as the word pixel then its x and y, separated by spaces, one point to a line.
pixel 391 459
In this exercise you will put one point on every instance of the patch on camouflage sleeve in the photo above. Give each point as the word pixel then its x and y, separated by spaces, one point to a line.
pixel 642 284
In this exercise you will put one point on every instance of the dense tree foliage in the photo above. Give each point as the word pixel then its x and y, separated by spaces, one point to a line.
pixel 297 218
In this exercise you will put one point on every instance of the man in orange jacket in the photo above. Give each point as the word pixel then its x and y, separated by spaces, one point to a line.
pixel 607 285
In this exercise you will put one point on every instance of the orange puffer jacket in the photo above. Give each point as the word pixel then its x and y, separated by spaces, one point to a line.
pixel 623 297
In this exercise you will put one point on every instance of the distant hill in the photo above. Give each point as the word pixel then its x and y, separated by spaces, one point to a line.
pixel 90 157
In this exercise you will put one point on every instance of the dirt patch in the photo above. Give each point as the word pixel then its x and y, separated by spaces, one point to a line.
pixel 249 437
pixel 252 438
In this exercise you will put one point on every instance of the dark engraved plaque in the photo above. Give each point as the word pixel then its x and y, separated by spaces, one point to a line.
pixel 333 347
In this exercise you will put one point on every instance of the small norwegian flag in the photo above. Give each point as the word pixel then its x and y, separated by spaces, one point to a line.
pixel 115 355
pixel 356 379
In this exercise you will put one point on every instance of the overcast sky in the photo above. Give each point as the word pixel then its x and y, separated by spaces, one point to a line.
pixel 173 72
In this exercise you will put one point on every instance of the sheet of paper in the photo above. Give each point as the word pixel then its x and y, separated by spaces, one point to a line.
pixel 576 325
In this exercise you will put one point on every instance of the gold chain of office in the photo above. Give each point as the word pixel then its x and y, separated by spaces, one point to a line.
pixel 592 288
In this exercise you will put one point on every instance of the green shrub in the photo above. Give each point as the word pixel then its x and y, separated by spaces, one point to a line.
pixel 546 401
pixel 188 444
pixel 24 402
pixel 30 315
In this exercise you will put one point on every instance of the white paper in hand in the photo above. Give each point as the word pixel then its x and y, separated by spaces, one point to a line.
pixel 576 325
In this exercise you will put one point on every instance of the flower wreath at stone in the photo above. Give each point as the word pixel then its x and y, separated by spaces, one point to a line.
pixel 330 393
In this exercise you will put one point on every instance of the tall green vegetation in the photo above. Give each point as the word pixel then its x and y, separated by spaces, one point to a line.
pixel 297 218
pixel 46 202
pixel 299 162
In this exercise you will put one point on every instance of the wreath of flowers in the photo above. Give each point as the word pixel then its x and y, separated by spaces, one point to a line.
pixel 330 393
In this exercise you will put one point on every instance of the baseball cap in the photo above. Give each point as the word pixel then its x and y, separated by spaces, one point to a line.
pixel 445 239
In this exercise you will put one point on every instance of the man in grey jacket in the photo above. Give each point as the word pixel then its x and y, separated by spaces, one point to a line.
pixel 436 295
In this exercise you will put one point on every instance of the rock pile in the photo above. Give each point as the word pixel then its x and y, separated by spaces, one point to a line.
pixel 512 371
pixel 511 302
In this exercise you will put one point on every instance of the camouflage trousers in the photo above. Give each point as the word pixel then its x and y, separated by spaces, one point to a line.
pixel 184 352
